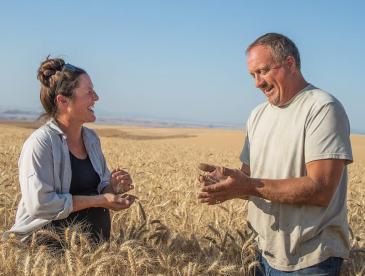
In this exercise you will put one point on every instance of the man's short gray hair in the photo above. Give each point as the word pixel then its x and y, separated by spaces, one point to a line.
pixel 280 45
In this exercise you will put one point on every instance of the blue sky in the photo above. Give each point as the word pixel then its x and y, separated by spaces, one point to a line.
pixel 180 59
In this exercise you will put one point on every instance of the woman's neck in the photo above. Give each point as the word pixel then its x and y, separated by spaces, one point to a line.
pixel 71 129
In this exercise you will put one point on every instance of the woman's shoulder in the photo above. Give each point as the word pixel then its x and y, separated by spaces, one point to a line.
pixel 42 136
pixel 90 134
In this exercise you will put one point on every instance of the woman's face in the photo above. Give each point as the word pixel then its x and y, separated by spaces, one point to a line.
pixel 81 105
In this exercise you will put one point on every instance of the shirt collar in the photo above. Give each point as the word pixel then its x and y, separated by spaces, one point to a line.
pixel 52 123
pixel 88 139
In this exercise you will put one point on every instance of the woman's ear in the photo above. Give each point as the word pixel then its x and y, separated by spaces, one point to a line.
pixel 61 101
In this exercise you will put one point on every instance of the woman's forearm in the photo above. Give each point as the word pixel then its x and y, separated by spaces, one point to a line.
pixel 108 189
pixel 81 202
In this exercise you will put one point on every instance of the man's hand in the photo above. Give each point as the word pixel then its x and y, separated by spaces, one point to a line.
pixel 221 184
pixel 116 202
pixel 121 181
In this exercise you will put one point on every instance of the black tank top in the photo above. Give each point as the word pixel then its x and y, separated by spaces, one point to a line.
pixel 85 181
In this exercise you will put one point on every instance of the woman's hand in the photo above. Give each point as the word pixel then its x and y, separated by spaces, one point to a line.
pixel 121 181
pixel 116 202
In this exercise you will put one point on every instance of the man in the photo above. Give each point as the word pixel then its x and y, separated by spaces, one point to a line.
pixel 293 167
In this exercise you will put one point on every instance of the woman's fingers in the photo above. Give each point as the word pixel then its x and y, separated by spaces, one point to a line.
pixel 121 181
pixel 116 173
pixel 124 201
pixel 123 177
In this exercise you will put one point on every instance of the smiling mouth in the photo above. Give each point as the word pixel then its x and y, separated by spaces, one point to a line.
pixel 91 109
pixel 268 90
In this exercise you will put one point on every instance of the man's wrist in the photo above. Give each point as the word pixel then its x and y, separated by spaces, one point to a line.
pixel 251 187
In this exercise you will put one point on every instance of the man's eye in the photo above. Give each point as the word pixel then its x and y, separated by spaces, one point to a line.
pixel 263 71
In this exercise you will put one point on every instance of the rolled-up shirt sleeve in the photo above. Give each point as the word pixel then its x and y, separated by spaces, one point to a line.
pixel 105 179
pixel 36 176
pixel 106 176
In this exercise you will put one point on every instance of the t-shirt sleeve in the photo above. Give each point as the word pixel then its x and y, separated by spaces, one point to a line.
pixel 245 154
pixel 328 134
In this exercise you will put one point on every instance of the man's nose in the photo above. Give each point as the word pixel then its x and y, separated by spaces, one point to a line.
pixel 259 81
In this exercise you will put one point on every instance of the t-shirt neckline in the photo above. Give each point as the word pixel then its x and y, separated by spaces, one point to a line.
pixel 296 96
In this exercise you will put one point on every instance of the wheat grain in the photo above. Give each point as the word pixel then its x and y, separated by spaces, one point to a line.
pixel 132 261
pixel 27 265
pixel 70 261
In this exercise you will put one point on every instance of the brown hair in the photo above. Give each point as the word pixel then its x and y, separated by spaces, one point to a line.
pixel 280 45
pixel 57 78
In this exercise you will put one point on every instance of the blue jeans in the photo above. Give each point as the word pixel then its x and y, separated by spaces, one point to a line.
pixel 329 267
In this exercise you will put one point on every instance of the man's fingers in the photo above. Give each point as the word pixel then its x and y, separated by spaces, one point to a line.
pixel 206 167
pixel 211 199
pixel 227 171
pixel 204 195
pixel 207 179
pixel 214 188
pixel 214 196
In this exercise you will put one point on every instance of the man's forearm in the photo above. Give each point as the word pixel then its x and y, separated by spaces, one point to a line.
pixel 317 188
pixel 302 190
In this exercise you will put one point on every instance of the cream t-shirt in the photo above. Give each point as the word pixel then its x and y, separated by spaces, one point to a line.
pixel 279 142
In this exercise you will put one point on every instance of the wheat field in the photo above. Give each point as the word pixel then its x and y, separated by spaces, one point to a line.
pixel 167 231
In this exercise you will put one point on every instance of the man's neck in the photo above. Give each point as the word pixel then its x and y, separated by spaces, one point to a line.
pixel 298 84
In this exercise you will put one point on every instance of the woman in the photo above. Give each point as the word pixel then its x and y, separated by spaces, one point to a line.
pixel 62 171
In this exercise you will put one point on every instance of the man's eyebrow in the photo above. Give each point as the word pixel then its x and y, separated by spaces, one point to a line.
pixel 258 68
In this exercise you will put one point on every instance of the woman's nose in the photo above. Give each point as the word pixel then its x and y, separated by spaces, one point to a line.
pixel 96 97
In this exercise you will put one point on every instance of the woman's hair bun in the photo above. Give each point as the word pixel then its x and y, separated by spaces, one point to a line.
pixel 48 68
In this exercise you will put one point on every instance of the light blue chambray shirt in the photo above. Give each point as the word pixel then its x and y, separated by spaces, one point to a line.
pixel 45 177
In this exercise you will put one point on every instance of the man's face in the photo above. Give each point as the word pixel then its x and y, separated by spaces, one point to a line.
pixel 270 76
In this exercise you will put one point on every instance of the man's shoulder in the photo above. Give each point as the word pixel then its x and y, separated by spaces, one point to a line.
pixel 318 97
pixel 259 108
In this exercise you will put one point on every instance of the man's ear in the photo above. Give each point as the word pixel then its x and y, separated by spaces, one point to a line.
pixel 290 61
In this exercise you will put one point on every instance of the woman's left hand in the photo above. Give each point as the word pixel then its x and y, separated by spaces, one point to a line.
pixel 121 181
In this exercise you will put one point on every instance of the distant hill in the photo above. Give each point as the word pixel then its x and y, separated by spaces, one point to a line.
pixel 16 114
pixel 20 115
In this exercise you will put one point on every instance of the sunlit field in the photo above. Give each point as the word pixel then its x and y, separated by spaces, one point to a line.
pixel 167 231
